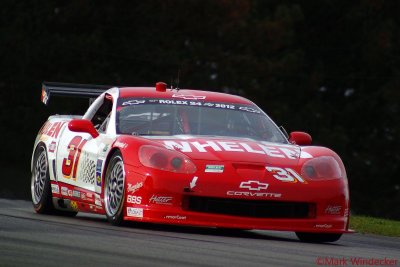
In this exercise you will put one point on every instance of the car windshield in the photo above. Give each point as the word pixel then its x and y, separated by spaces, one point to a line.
pixel 161 117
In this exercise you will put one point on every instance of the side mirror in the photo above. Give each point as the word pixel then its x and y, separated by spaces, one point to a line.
pixel 300 138
pixel 83 126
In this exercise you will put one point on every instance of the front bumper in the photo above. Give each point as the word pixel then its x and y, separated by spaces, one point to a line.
pixel 173 215
pixel 164 200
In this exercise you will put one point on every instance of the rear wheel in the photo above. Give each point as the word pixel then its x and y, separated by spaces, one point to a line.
pixel 41 187
pixel 40 182
pixel 114 189
pixel 318 237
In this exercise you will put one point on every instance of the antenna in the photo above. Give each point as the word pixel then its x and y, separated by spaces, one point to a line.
pixel 177 82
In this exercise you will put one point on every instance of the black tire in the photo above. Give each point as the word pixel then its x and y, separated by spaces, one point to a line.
pixel 114 189
pixel 317 237
pixel 40 185
pixel 40 182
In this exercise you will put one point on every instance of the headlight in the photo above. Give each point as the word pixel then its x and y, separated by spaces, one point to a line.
pixel 322 168
pixel 166 160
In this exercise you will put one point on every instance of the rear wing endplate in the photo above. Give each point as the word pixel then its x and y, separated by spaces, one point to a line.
pixel 71 90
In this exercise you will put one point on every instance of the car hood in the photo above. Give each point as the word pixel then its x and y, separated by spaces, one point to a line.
pixel 234 149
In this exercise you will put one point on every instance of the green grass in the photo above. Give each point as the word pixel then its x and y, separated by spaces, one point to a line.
pixel 370 225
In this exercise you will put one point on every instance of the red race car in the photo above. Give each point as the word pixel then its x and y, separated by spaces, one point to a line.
pixel 185 157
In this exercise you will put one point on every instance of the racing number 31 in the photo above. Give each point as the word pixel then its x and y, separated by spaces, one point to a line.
pixel 70 164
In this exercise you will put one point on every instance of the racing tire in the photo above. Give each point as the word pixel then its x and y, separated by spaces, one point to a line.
pixel 318 237
pixel 114 189
pixel 40 182
pixel 40 185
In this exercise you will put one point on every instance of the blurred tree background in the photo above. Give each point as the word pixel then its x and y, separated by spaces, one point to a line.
pixel 331 68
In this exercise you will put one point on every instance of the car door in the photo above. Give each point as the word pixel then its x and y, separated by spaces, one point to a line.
pixel 76 165
pixel 80 157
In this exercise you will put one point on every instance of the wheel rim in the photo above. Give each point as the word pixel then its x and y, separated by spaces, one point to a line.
pixel 39 176
pixel 114 191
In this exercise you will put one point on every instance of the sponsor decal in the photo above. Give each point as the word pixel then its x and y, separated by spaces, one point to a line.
pixel 133 102
pixel 135 187
pixel 99 167
pixel 120 144
pixel 97 200
pixel 52 129
pixel 52 147
pixel 253 194
pixel 86 196
pixel 76 194
pixel 134 212
pixel 74 205
pixel 134 199
pixel 253 185
pixel 263 148
pixel 175 217
pixel 55 189
pixel 325 226
pixel 214 168
pixel 285 174
pixel 173 102
pixel 188 100
pixel 249 109
pixel 189 97
pixel 64 191
pixel 333 210
pixel 162 200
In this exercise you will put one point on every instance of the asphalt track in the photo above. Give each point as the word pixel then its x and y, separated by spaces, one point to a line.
pixel 30 239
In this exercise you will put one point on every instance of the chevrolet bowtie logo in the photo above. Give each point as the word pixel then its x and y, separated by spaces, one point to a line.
pixel 253 185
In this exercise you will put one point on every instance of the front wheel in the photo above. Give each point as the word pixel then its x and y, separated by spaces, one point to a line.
pixel 114 189
pixel 318 237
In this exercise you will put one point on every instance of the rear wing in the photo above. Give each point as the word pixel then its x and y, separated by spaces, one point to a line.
pixel 72 90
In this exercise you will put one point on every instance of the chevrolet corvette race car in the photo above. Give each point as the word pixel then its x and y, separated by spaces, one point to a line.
pixel 185 157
